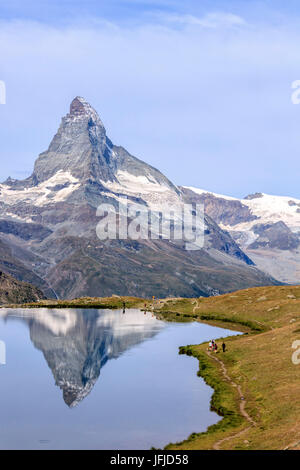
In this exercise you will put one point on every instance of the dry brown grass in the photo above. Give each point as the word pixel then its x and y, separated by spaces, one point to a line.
pixel 261 364
pixel 113 302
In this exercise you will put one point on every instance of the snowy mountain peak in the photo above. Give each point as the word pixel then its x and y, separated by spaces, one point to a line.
pixel 50 222
pixel 81 152
pixel 80 108
pixel 266 227
pixel 258 208
pixel 79 147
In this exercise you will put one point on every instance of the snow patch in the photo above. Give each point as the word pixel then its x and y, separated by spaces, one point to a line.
pixel 204 191
pixel 268 209
pixel 43 194
pixel 157 196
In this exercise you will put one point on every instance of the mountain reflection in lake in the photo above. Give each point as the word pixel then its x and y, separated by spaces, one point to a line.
pixel 77 343
pixel 149 396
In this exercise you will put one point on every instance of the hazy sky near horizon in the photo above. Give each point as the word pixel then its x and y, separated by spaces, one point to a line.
pixel 200 90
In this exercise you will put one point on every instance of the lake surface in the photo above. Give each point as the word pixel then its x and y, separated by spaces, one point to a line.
pixel 99 379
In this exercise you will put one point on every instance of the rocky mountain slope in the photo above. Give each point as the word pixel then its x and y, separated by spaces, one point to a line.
pixel 13 291
pixel 49 223
pixel 18 262
pixel 266 228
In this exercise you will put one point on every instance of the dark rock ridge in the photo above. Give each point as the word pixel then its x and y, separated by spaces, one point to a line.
pixel 48 222
pixel 221 210
pixel 254 196
pixel 277 235
pixel 25 231
pixel 14 291
pixel 17 262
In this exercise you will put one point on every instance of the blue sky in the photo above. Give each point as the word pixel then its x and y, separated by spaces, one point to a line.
pixel 199 89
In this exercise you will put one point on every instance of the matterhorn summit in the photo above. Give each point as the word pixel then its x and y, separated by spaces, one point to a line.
pixel 48 224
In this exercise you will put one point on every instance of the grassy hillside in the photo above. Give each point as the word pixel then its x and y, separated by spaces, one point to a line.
pixel 257 386
pixel 14 291
pixel 114 302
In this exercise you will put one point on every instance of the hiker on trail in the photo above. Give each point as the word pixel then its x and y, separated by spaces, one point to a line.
pixel 223 347
pixel 215 347
pixel 210 346
pixel 124 307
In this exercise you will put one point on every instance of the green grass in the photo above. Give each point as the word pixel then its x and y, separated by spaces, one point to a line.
pixel 259 361
pixel 115 302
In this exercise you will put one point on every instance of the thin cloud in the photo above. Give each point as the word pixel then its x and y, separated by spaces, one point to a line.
pixel 209 106
pixel 211 20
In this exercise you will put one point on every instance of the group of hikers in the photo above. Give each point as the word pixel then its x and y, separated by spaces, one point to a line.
pixel 212 346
